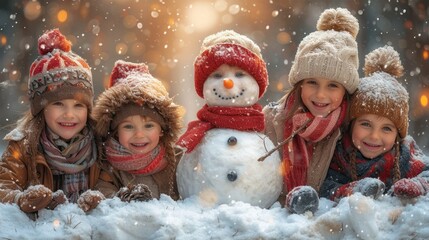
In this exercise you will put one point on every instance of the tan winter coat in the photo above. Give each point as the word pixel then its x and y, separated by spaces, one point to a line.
pixel 153 94
pixel 323 150
pixel 19 170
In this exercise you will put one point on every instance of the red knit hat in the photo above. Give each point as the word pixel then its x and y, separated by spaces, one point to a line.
pixel 58 74
pixel 231 48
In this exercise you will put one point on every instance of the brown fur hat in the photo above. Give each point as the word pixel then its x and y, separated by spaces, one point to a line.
pixel 132 87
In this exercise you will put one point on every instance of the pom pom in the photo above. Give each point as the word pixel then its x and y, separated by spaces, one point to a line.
pixel 123 69
pixel 339 19
pixel 384 59
pixel 53 39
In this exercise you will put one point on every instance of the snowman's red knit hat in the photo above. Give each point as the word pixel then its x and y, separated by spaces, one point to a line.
pixel 58 74
pixel 231 48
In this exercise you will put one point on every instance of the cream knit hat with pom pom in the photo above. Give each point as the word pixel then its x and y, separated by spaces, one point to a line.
pixel 331 52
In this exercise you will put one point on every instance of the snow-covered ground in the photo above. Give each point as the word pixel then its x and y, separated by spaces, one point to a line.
pixel 355 217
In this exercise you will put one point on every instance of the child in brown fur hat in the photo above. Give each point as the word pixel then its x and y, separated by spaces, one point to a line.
pixel 139 124
pixel 376 153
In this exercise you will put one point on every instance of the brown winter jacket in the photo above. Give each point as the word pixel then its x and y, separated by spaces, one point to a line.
pixel 323 151
pixel 19 170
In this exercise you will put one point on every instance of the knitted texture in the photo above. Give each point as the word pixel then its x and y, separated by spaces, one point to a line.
pixel 379 92
pixel 231 48
pixel 58 74
pixel 331 52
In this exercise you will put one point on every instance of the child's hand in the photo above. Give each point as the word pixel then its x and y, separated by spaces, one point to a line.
pixel 411 187
pixel 34 198
pixel 370 187
pixel 138 192
pixel 90 200
pixel 57 198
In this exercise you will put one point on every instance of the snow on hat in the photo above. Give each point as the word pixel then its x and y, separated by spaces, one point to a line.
pixel 132 90
pixel 58 74
pixel 379 92
pixel 132 74
pixel 331 52
pixel 229 47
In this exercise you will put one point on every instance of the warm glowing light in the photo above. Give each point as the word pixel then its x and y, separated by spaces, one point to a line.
pixel 121 48
pixel 3 40
pixel 62 16
pixel 283 38
pixel 424 100
pixel 280 86
pixel 32 10
pixel 425 55
pixel 129 21
pixel 202 16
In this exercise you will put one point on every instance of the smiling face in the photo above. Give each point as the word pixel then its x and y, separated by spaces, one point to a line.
pixel 321 96
pixel 139 134
pixel 230 86
pixel 373 135
pixel 66 118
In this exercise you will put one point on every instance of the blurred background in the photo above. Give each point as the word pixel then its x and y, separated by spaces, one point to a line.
pixel 167 35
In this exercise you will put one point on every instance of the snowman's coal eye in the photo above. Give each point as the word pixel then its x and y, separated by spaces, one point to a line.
pixel 232 141
pixel 232 175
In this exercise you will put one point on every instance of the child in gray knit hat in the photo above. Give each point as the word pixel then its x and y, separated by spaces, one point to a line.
pixel 307 120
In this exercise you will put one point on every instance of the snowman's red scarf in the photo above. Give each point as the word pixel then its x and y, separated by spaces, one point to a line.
pixel 238 118
pixel 298 152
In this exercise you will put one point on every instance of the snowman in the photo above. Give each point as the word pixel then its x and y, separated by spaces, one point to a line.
pixel 220 164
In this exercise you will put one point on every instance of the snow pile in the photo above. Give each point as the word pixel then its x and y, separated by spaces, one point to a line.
pixel 355 217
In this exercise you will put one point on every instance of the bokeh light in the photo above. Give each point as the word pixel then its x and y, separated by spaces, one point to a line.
pixel 424 100
pixel 62 16
pixel 202 16
pixel 32 10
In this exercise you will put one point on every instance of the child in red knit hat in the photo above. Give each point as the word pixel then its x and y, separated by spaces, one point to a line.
pixel 376 153
pixel 51 154
pixel 138 123
pixel 308 119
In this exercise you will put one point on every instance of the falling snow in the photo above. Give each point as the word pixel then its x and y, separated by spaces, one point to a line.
pixel 166 35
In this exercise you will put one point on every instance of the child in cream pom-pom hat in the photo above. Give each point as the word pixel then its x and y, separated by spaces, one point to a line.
pixel 323 76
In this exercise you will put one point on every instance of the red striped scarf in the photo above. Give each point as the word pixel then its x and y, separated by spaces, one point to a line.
pixel 238 118
pixel 143 164
pixel 298 152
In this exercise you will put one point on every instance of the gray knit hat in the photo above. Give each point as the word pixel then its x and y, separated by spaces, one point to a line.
pixel 331 52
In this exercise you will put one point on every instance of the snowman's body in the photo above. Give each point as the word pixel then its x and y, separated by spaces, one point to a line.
pixel 218 172
pixel 224 166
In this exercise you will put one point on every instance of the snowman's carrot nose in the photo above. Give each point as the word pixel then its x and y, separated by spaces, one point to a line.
pixel 228 83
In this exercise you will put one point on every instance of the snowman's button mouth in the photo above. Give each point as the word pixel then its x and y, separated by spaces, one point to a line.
pixel 230 97
pixel 232 175
pixel 232 141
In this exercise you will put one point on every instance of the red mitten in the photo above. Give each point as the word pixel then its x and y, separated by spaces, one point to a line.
pixel 57 198
pixel 34 198
pixel 89 200
pixel 411 187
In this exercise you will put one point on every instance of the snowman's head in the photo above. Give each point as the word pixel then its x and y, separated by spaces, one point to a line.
pixel 230 86
pixel 228 48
